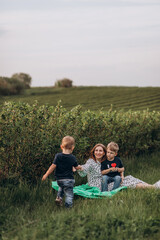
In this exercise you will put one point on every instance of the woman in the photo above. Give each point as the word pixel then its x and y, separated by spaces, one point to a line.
pixel 92 169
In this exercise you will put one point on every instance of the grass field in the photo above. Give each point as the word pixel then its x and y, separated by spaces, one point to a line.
pixel 93 98
pixel 29 213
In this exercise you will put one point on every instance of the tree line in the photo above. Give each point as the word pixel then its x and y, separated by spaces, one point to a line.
pixel 18 82
pixel 15 84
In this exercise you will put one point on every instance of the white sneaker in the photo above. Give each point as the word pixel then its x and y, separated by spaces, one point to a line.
pixel 157 184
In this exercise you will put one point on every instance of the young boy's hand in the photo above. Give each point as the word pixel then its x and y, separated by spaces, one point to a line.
pixel 73 169
pixel 113 169
pixel 122 179
pixel 44 177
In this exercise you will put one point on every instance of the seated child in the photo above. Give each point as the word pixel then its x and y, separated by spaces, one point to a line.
pixel 112 168
pixel 63 164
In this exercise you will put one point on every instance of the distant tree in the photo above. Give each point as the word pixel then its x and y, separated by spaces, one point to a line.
pixel 10 86
pixel 23 77
pixel 65 82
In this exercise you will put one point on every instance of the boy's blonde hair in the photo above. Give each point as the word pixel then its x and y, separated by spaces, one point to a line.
pixel 68 142
pixel 113 146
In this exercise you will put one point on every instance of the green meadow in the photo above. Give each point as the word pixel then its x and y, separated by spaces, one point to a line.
pixel 28 212
pixel 93 98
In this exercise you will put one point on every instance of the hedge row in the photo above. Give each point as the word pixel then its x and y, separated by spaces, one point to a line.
pixel 31 135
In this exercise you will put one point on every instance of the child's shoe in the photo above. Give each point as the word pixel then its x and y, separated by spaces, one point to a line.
pixel 157 184
pixel 59 201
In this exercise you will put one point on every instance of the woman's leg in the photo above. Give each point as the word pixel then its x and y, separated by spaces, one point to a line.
pixel 157 184
pixel 132 182
pixel 144 185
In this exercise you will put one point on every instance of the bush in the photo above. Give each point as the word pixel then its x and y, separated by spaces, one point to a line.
pixel 31 135
pixel 23 78
pixel 65 82
pixel 10 86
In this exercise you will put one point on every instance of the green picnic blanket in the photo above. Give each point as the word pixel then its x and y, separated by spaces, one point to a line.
pixel 90 192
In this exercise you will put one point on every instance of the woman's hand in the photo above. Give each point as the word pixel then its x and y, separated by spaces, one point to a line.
pixel 79 167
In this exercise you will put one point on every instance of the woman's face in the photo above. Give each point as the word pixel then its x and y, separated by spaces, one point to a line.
pixel 99 153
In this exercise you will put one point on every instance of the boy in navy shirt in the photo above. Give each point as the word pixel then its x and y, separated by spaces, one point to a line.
pixel 63 164
pixel 112 168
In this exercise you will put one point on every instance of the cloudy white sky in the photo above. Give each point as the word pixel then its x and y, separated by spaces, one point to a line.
pixel 92 42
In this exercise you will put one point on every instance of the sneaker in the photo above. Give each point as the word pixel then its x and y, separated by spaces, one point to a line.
pixel 157 184
pixel 59 201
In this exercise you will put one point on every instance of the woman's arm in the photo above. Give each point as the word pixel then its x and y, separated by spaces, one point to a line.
pixel 85 169
pixel 79 167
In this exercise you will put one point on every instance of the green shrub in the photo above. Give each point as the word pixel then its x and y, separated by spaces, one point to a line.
pixel 10 86
pixel 31 135
pixel 65 82
pixel 23 78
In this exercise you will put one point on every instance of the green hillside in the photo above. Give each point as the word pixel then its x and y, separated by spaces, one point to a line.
pixel 93 98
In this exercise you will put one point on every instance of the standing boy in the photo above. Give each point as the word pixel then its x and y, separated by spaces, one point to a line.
pixel 63 164
pixel 112 168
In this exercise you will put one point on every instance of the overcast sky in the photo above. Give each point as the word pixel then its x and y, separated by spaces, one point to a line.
pixel 92 42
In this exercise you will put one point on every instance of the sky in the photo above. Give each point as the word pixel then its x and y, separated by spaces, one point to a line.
pixel 91 42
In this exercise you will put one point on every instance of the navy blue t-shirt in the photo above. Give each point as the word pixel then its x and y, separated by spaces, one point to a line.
pixel 64 163
pixel 108 164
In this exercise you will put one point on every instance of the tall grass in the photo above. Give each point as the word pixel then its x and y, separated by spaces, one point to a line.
pixel 30 213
